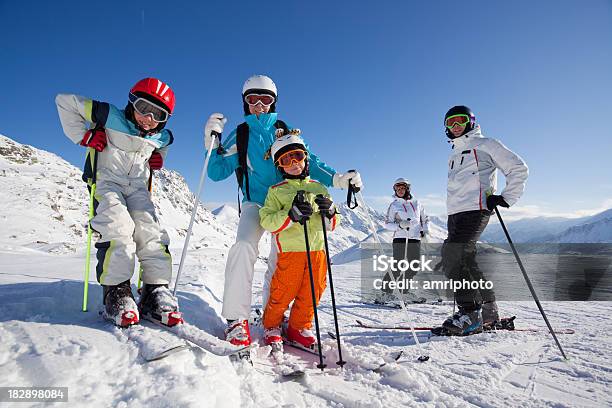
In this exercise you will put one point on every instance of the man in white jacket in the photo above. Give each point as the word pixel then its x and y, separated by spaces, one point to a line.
pixel 471 198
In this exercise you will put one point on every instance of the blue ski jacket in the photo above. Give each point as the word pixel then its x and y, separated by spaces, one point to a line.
pixel 261 170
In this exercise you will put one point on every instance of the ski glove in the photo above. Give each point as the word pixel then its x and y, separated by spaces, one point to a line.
pixel 422 234
pixel 495 200
pixel 95 138
pixel 300 210
pixel 405 224
pixel 215 123
pixel 156 161
pixel 342 180
pixel 401 215
pixel 326 206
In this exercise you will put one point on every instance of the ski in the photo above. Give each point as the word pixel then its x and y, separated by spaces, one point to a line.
pixel 505 324
pixel 166 353
pixel 242 356
pixel 200 338
pixel 152 344
pixel 284 367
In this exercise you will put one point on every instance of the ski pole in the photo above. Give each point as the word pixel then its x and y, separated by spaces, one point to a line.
pixel 92 192
pixel 422 356
pixel 533 293
pixel 370 221
pixel 196 203
pixel 340 362
pixel 304 222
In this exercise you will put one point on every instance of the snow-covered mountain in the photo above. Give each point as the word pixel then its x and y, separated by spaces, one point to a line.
pixel 46 207
pixel 593 229
pixel 46 203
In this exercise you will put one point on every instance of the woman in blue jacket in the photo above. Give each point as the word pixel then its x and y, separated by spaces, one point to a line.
pixel 245 151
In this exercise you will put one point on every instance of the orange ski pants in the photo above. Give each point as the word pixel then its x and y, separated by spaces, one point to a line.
pixel 291 282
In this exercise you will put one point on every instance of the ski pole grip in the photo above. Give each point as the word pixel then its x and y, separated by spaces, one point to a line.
pixel 220 149
pixel 351 198
pixel 355 188
pixel 300 198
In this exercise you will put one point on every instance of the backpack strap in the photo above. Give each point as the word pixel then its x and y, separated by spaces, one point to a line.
pixel 242 145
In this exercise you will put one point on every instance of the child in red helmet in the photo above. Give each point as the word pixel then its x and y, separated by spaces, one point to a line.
pixel 124 146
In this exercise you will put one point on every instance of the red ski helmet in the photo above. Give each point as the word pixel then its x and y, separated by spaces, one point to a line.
pixel 155 91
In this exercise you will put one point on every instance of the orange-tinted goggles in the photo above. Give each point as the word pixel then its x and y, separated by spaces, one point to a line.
pixel 293 156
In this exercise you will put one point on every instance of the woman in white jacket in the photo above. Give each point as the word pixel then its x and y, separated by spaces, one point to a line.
pixel 406 218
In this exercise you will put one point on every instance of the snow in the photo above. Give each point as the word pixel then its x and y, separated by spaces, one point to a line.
pixel 47 341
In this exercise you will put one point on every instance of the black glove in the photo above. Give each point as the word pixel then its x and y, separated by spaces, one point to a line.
pixel 300 210
pixel 326 206
pixel 422 234
pixel 495 200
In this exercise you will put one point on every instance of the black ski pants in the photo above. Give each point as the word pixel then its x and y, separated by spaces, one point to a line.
pixel 459 256
pixel 400 251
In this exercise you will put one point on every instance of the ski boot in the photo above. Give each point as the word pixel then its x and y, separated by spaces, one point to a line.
pixel 384 298
pixel 463 323
pixel 158 303
pixel 273 338
pixel 490 314
pixel 301 338
pixel 239 334
pixel 119 305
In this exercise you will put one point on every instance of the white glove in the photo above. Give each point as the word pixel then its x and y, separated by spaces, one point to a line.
pixel 215 123
pixel 405 224
pixel 341 180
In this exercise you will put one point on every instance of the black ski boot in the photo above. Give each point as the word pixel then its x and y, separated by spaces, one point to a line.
pixel 490 314
pixel 119 304
pixel 158 303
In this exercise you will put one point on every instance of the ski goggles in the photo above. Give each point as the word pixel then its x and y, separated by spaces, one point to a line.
pixel 148 108
pixel 264 99
pixel 400 185
pixel 460 120
pixel 291 157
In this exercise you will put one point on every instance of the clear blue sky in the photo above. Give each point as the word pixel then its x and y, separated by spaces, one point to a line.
pixel 368 83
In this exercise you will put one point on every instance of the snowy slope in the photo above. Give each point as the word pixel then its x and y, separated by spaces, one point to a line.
pixel 47 340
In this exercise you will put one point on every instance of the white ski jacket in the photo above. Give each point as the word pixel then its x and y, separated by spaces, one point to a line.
pixel 401 209
pixel 472 174
pixel 125 160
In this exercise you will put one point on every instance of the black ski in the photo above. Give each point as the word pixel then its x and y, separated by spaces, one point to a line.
pixel 506 323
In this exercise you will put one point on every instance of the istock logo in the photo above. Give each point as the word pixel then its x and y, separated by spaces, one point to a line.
pixel 384 263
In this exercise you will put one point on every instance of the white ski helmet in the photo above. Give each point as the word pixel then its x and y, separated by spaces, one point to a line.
pixel 402 180
pixel 285 144
pixel 259 84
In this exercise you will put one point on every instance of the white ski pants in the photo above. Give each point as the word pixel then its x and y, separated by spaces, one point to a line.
pixel 125 218
pixel 240 267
